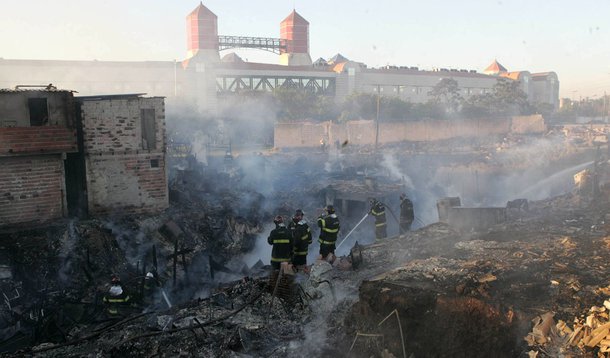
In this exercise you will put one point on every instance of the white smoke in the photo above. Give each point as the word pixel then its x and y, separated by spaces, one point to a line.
pixel 68 244
pixel 199 147
pixel 391 165
pixel 261 250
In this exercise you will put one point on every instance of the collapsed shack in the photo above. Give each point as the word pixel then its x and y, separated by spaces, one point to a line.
pixel 53 279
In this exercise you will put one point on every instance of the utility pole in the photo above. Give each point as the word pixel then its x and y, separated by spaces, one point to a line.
pixel 175 81
pixel 605 115
pixel 377 119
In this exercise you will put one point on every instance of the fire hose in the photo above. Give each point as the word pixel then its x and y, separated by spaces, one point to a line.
pixel 400 230
pixel 346 236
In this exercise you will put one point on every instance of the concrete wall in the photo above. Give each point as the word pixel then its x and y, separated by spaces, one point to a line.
pixel 14 110
pixel 31 189
pixel 475 218
pixel 122 175
pixel 528 124
pixel 362 132
pixel 451 212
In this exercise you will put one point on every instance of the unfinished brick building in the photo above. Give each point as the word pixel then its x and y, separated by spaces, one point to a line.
pixel 38 131
pixel 64 156
pixel 124 147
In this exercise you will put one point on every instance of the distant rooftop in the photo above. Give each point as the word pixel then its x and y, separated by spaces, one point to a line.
pixel 495 68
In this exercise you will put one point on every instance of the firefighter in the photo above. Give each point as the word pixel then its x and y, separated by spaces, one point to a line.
pixel 329 229
pixel 281 239
pixel 378 212
pixel 151 286
pixel 406 213
pixel 116 299
pixel 301 236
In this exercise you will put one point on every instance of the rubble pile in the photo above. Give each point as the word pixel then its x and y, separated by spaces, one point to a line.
pixel 246 318
pixel 53 279
pixel 587 335
pixel 435 291
pixel 474 294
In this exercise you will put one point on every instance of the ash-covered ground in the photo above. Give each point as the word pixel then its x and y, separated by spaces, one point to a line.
pixel 435 291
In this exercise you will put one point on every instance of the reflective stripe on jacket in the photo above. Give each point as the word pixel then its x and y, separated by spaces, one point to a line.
pixel 281 239
pixel 329 228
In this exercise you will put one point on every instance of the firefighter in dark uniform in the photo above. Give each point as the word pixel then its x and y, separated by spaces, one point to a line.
pixel 151 288
pixel 378 212
pixel 301 236
pixel 407 214
pixel 281 239
pixel 116 299
pixel 329 229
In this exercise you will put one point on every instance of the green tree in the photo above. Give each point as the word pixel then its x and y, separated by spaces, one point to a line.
pixel 545 109
pixel 509 99
pixel 477 106
pixel 428 110
pixel 364 106
pixel 505 99
pixel 298 104
pixel 447 94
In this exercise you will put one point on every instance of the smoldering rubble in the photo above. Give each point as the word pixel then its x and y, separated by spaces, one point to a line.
pixel 441 289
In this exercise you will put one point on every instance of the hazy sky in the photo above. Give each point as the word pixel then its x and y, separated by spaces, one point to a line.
pixel 571 38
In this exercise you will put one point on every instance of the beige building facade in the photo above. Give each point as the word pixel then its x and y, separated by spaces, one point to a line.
pixel 203 78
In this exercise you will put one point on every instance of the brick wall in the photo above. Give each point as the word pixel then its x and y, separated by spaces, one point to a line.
pixel 37 140
pixel 126 184
pixel 31 189
pixel 115 125
pixel 123 176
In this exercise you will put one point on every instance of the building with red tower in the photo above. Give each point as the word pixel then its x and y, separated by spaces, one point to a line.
pixel 202 34
pixel 204 79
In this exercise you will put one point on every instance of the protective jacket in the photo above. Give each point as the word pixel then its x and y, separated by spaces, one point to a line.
pixel 281 239
pixel 116 299
pixel 378 212
pixel 301 235
pixel 329 229
pixel 406 214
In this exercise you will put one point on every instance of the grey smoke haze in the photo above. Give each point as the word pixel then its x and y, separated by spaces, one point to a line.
pixel 391 164
pixel 68 244
pixel 136 244
pixel 261 250
pixel 266 181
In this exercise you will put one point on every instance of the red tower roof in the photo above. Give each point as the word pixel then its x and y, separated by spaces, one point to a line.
pixel 202 12
pixel 295 18
pixel 495 68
